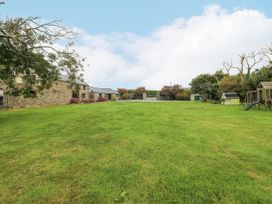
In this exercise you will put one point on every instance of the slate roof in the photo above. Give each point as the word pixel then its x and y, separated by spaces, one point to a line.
pixel 231 95
pixel 103 90
pixel 266 85
pixel 77 81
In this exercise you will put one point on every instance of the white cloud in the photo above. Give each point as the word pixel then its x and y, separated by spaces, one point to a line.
pixel 173 53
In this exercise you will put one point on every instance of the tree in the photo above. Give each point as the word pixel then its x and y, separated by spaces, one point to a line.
pixel 122 91
pixel 267 54
pixel 167 93
pixel 28 51
pixel 184 96
pixel 138 94
pixel 207 85
pixel 246 64
pixel 170 92
pixel 259 75
pixel 219 75
pixel 125 96
pixel 230 84
pixel 252 60
pixel 152 93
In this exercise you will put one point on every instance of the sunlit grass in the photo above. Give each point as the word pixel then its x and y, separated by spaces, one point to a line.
pixel 169 152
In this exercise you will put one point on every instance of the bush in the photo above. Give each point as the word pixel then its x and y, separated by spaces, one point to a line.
pixel 101 99
pixel 113 98
pixel 125 96
pixel 74 101
pixel 182 96
pixel 170 92
pixel 88 101
pixel 213 101
pixel 122 91
pixel 138 94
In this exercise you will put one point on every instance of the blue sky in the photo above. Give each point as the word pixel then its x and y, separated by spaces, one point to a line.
pixel 151 43
pixel 136 16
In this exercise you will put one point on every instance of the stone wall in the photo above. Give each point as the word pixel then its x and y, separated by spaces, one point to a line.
pixel 103 95
pixel 97 95
pixel 83 93
pixel 59 93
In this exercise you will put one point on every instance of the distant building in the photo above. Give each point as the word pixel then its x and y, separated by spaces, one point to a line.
pixel 143 96
pixel 80 90
pixel 196 97
pixel 59 93
pixel 107 93
pixel 230 98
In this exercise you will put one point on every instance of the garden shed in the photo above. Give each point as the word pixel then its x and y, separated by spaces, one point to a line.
pixel 230 98
pixel 196 97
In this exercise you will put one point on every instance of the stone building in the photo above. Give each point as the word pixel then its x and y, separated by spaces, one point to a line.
pixel 59 93
pixel 106 93
pixel 80 90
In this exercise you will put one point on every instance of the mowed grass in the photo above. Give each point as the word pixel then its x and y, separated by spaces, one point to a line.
pixel 164 152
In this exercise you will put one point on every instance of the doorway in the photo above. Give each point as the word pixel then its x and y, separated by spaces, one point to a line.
pixel 109 96
pixel 1 98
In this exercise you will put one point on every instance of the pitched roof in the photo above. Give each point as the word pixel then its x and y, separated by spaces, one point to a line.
pixel 266 84
pixel 77 81
pixel 231 95
pixel 103 90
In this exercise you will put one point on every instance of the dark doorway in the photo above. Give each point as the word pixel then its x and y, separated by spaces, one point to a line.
pixel 75 95
pixel 109 96
pixel 1 97
pixel 1 100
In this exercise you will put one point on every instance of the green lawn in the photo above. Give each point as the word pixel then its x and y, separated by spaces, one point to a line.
pixel 165 152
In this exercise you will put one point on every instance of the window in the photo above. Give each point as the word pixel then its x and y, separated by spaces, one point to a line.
pixel 83 95
pixel 84 87
pixel 33 93
pixel 74 94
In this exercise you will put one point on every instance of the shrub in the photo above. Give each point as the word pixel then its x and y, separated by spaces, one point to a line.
pixel 138 94
pixel 182 96
pixel 125 96
pixel 122 91
pixel 88 101
pixel 101 99
pixel 170 92
pixel 113 98
pixel 74 100
pixel 213 101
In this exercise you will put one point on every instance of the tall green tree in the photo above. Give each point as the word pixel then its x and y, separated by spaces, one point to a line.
pixel 28 50
pixel 259 75
pixel 230 84
pixel 207 85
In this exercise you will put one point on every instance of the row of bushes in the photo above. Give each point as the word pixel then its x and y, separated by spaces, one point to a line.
pixel 77 101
